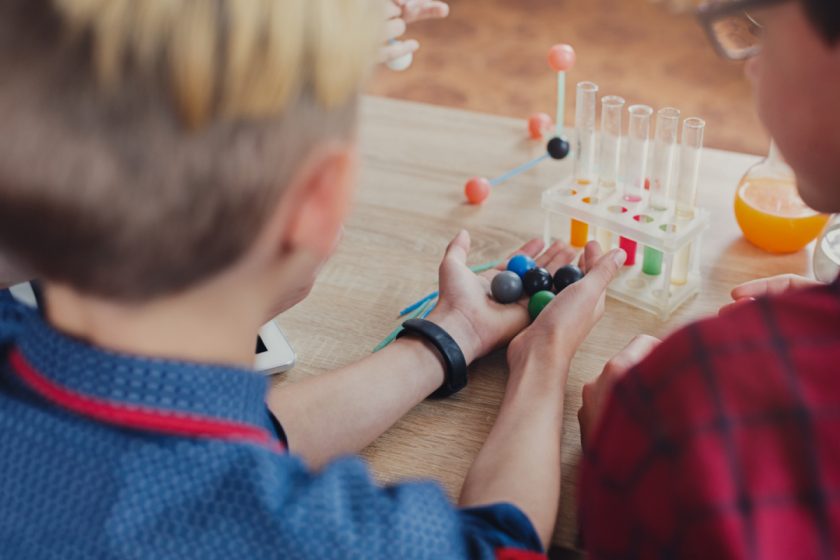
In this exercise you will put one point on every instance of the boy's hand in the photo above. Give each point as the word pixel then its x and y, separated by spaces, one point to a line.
pixel 774 285
pixel 595 394
pixel 467 310
pixel 552 340
pixel 399 13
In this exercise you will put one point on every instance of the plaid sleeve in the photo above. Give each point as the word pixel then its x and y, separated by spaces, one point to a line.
pixel 626 493
pixel 722 443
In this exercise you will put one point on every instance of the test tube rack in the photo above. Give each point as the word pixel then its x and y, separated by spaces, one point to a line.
pixel 614 218
pixel 612 197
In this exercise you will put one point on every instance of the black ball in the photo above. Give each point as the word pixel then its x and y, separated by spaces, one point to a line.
pixel 566 276
pixel 558 148
pixel 536 280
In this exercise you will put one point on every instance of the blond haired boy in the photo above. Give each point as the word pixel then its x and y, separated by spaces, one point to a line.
pixel 185 166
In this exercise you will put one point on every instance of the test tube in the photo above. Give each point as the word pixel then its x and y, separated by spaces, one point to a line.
pixel 612 107
pixel 587 95
pixel 609 156
pixel 690 152
pixel 667 125
pixel 635 165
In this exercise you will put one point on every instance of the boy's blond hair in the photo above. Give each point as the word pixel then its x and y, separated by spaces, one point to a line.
pixel 144 142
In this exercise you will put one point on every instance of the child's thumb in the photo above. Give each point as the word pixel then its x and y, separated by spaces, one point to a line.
pixel 459 247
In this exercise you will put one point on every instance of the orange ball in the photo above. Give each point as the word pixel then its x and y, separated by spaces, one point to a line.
pixel 561 58
pixel 477 190
pixel 538 125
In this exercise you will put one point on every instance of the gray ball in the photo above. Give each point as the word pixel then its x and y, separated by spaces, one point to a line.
pixel 506 287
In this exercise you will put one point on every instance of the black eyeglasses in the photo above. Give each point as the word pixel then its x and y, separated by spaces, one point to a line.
pixel 732 26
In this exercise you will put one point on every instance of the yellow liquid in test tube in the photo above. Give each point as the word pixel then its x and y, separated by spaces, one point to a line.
pixel 679 276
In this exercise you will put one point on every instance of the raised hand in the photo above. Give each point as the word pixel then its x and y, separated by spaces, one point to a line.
pixel 400 13
pixel 773 285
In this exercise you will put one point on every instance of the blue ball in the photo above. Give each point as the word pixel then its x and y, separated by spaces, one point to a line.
pixel 520 264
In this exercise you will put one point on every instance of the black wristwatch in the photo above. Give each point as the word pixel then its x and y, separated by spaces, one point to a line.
pixel 455 377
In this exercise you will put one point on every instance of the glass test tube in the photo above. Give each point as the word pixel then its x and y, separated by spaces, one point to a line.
pixel 662 176
pixel 612 108
pixel 690 152
pixel 667 125
pixel 609 156
pixel 638 143
pixel 587 95
pixel 635 167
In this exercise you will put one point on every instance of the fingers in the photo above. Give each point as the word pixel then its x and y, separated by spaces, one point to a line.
pixel 397 50
pixel 636 351
pixel 771 286
pixel 416 10
pixel 394 28
pixel 590 256
pixel 393 9
pixel 735 305
pixel 458 248
pixel 558 254
pixel 532 248
pixel 604 270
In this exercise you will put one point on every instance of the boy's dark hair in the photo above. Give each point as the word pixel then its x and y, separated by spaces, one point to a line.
pixel 144 143
pixel 825 15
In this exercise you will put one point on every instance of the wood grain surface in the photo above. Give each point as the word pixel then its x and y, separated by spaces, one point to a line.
pixel 490 56
pixel 409 205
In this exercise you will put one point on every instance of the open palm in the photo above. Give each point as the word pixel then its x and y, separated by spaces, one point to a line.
pixel 489 324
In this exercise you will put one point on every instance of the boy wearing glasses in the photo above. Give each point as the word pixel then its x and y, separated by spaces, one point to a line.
pixel 721 442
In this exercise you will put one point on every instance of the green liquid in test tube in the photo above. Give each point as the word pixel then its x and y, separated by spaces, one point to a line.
pixel 667 125
pixel 690 152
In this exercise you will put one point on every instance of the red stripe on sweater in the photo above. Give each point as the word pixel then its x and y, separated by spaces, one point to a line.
pixel 518 554
pixel 139 417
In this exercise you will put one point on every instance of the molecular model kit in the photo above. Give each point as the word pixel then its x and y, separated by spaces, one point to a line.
pixel 630 191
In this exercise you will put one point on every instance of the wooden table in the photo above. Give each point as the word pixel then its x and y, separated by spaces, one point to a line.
pixel 410 203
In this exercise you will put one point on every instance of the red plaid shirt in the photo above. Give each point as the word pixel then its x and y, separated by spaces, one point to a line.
pixel 725 442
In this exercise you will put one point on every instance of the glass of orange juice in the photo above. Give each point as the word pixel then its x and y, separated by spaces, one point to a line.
pixel 769 210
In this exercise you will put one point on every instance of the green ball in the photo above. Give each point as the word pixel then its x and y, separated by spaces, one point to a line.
pixel 538 302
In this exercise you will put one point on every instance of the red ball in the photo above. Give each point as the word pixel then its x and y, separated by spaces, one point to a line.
pixel 538 125
pixel 561 58
pixel 477 190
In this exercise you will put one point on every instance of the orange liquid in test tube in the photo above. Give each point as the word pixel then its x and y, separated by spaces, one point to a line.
pixel 580 230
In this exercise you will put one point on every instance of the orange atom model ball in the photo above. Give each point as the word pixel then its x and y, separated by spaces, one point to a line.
pixel 538 125
pixel 561 58
pixel 477 190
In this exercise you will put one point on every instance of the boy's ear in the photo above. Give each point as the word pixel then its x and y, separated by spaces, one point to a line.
pixel 318 200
